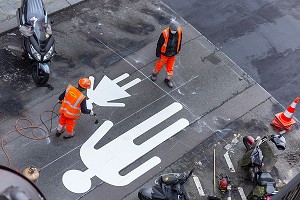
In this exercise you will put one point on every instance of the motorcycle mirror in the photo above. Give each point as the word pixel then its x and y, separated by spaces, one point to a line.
pixel 279 142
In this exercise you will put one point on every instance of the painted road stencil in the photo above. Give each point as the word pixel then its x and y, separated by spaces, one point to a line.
pixel 108 90
pixel 107 162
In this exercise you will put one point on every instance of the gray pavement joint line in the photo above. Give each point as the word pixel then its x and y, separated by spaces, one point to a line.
pixel 222 103
pixel 118 123
pixel 161 98
pixel 220 51
pixel 269 98
pixel 69 167
pixel 256 83
pixel 90 190
pixel 59 158
pixel 68 2
pixel 168 93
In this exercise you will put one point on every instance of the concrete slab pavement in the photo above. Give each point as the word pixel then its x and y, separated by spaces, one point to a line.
pixel 215 93
pixel 8 9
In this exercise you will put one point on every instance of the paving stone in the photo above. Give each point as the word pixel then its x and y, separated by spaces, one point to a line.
pixel 55 5
pixel 8 8
pixel 72 2
pixel 9 24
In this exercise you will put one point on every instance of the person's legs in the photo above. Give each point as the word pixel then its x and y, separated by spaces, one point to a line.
pixel 170 71
pixel 159 65
pixel 70 127
pixel 61 124
pixel 170 67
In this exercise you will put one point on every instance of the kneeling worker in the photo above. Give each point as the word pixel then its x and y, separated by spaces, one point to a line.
pixel 73 103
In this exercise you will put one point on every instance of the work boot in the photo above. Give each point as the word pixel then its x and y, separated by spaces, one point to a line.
pixel 58 133
pixel 153 77
pixel 68 136
pixel 169 83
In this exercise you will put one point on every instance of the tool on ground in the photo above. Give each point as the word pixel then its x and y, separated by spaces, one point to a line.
pixel 225 186
pixel 214 171
pixel 97 120
pixel 31 173
pixel 214 197
pixel 19 129
pixel 284 121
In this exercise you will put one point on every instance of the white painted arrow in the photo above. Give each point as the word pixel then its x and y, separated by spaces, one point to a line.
pixel 108 90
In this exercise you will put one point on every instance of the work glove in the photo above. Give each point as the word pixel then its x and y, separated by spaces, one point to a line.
pixel 59 101
pixel 92 113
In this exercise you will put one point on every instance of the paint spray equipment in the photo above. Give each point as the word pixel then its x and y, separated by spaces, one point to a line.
pixel 31 173
pixel 225 186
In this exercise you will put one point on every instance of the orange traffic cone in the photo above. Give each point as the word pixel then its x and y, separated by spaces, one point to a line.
pixel 284 120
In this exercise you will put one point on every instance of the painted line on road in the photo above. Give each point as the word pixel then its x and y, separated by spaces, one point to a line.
pixel 242 193
pixel 198 185
pixel 148 77
pixel 229 163
pixel 14 48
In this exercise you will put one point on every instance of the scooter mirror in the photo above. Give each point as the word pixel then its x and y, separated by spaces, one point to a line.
pixel 279 142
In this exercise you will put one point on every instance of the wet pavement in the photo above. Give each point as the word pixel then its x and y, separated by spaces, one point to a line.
pixel 219 100
pixel 262 37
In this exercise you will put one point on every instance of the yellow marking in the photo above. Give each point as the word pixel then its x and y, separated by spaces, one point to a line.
pixel 74 95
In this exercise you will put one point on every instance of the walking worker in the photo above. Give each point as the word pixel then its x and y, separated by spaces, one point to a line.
pixel 73 103
pixel 168 45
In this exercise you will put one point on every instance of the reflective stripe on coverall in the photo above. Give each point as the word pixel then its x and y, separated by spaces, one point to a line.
pixel 70 109
pixel 166 60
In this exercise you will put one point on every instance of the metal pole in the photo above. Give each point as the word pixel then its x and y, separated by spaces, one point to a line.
pixel 214 171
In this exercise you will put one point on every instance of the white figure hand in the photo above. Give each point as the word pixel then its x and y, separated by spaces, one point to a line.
pixel 108 90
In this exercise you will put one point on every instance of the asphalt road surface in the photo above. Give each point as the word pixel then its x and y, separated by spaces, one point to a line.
pixel 261 36
pixel 213 104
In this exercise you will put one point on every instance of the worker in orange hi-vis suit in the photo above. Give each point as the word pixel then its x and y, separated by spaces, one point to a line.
pixel 73 103
pixel 168 45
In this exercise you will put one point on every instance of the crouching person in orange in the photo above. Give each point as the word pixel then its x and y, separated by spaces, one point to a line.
pixel 73 103
pixel 168 46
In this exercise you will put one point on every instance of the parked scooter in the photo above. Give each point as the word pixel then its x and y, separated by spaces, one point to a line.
pixel 38 42
pixel 260 160
pixel 167 187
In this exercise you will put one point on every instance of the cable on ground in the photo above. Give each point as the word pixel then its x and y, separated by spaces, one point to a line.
pixel 46 131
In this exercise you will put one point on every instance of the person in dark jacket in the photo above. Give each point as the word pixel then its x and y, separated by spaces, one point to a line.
pixel 168 46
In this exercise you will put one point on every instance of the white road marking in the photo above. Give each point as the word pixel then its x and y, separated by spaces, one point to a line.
pixel 229 163
pixel 241 191
pixel 108 90
pixel 107 162
pixel 198 185
pixel 14 48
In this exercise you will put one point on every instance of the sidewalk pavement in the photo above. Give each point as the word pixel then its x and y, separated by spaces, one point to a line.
pixel 8 9
pixel 235 102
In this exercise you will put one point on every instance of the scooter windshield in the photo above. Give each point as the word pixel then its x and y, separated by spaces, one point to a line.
pixel 40 29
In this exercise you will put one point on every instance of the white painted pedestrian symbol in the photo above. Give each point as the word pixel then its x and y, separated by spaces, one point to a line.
pixel 107 162
pixel 108 90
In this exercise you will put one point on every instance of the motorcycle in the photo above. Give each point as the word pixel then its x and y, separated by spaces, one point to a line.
pixel 260 160
pixel 167 187
pixel 38 42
